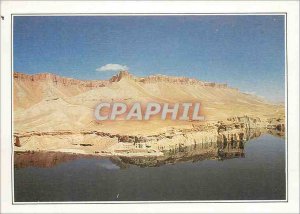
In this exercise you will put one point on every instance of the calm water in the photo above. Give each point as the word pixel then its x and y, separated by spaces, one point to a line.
pixel 259 173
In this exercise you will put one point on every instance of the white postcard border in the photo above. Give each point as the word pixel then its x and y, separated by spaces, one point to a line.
pixel 104 7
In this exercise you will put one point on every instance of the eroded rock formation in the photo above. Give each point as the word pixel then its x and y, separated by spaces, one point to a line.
pixel 53 113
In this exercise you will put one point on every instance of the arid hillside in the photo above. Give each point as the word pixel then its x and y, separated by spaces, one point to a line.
pixel 47 102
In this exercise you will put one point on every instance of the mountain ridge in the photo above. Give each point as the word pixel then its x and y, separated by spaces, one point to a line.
pixel 67 103
pixel 116 78
pixel 53 113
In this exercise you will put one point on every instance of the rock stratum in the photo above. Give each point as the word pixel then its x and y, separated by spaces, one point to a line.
pixel 53 113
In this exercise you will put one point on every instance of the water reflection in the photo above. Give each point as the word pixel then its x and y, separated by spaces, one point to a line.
pixel 44 159
pixel 249 175
pixel 280 134
pixel 221 150
pixel 197 152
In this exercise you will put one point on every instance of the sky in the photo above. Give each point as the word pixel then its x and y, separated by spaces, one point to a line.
pixel 244 51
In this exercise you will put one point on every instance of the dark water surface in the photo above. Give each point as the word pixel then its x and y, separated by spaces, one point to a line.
pixel 257 175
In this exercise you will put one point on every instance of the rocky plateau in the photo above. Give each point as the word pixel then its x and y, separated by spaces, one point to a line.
pixel 55 114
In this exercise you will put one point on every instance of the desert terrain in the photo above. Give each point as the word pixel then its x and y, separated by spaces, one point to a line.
pixel 56 114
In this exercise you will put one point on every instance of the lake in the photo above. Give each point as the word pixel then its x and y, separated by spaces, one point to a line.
pixel 254 172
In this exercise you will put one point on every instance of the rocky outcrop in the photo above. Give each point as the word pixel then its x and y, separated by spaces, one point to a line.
pixel 229 134
pixel 166 79
pixel 42 77
pixel 17 142
pixel 122 75
pixel 116 78
pixel 226 147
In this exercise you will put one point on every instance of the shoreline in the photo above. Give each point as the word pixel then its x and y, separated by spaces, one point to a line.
pixel 197 152
pixel 234 130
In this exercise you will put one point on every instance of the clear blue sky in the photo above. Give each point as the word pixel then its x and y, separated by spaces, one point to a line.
pixel 246 52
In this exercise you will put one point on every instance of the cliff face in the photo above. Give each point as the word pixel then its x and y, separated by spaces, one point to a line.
pixel 53 113
pixel 48 77
pixel 32 89
pixel 47 102
pixel 212 140
pixel 167 79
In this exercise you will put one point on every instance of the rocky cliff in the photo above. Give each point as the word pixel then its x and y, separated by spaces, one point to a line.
pixel 43 77
pixel 53 113
pixel 167 79
pixel 48 77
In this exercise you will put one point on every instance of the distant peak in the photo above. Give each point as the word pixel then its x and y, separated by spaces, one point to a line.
pixel 121 75
pixel 124 73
